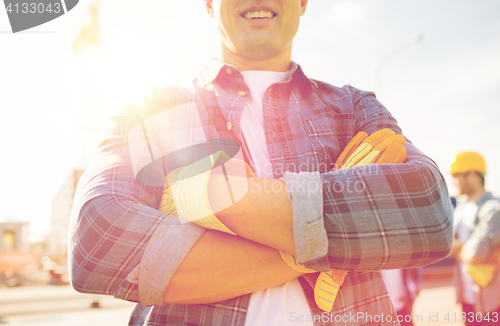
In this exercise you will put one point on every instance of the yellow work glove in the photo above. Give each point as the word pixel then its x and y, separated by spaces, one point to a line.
pixel 383 146
pixel 483 274
pixel 185 193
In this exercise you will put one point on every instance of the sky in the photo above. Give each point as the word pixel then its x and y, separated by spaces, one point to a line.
pixel 444 90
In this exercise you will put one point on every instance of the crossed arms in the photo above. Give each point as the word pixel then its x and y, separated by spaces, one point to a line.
pixel 121 246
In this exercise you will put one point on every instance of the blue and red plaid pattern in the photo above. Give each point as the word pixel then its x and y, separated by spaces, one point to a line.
pixel 398 216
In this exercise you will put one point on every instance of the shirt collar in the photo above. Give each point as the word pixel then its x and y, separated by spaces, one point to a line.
pixel 216 69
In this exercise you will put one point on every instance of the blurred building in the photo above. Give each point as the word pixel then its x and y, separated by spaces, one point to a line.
pixel 14 235
pixel 16 256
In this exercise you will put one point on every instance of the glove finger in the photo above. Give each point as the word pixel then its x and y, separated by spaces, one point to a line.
pixel 366 147
pixel 350 148
pixel 390 140
pixel 379 136
pixel 326 289
pixel 371 157
pixel 167 203
pixel 395 153
pixel 358 155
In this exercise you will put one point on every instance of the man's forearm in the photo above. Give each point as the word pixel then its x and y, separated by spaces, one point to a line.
pixel 222 266
pixel 263 215
pixel 268 217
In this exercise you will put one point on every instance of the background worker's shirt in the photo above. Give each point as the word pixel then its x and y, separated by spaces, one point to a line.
pixel 398 216
pixel 482 224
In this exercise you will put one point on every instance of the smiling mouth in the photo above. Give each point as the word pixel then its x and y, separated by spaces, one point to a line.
pixel 258 14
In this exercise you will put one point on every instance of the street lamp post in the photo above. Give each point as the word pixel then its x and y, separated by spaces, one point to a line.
pixel 390 55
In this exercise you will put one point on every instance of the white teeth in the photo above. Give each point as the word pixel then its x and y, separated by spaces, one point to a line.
pixel 259 14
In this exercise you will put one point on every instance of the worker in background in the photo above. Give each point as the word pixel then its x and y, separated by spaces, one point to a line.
pixel 476 237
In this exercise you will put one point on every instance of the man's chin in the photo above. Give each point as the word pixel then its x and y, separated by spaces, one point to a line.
pixel 259 51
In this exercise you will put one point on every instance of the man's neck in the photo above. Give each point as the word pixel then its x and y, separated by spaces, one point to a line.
pixel 280 62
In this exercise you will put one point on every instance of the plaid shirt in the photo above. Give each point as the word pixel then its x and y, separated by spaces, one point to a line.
pixel 366 219
pixel 484 238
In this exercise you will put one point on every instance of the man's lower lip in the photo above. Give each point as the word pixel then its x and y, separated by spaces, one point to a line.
pixel 258 20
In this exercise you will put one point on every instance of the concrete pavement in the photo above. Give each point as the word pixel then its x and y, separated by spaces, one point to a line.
pixel 63 306
pixel 435 304
pixel 59 306
pixel 436 307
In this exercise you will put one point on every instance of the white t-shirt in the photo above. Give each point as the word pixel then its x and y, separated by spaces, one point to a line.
pixel 284 304
pixel 469 212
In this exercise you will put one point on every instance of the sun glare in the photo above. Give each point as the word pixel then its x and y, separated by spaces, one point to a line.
pixel 141 48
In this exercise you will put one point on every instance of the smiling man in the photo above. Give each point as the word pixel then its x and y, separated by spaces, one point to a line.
pixel 257 35
pixel 290 130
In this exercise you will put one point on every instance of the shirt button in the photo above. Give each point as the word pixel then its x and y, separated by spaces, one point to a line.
pixel 228 71
pixel 274 134
pixel 229 126
pixel 242 93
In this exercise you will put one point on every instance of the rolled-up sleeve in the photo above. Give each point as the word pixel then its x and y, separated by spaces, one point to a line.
pixel 119 243
pixel 387 216
pixel 306 196
pixel 127 250
pixel 378 216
